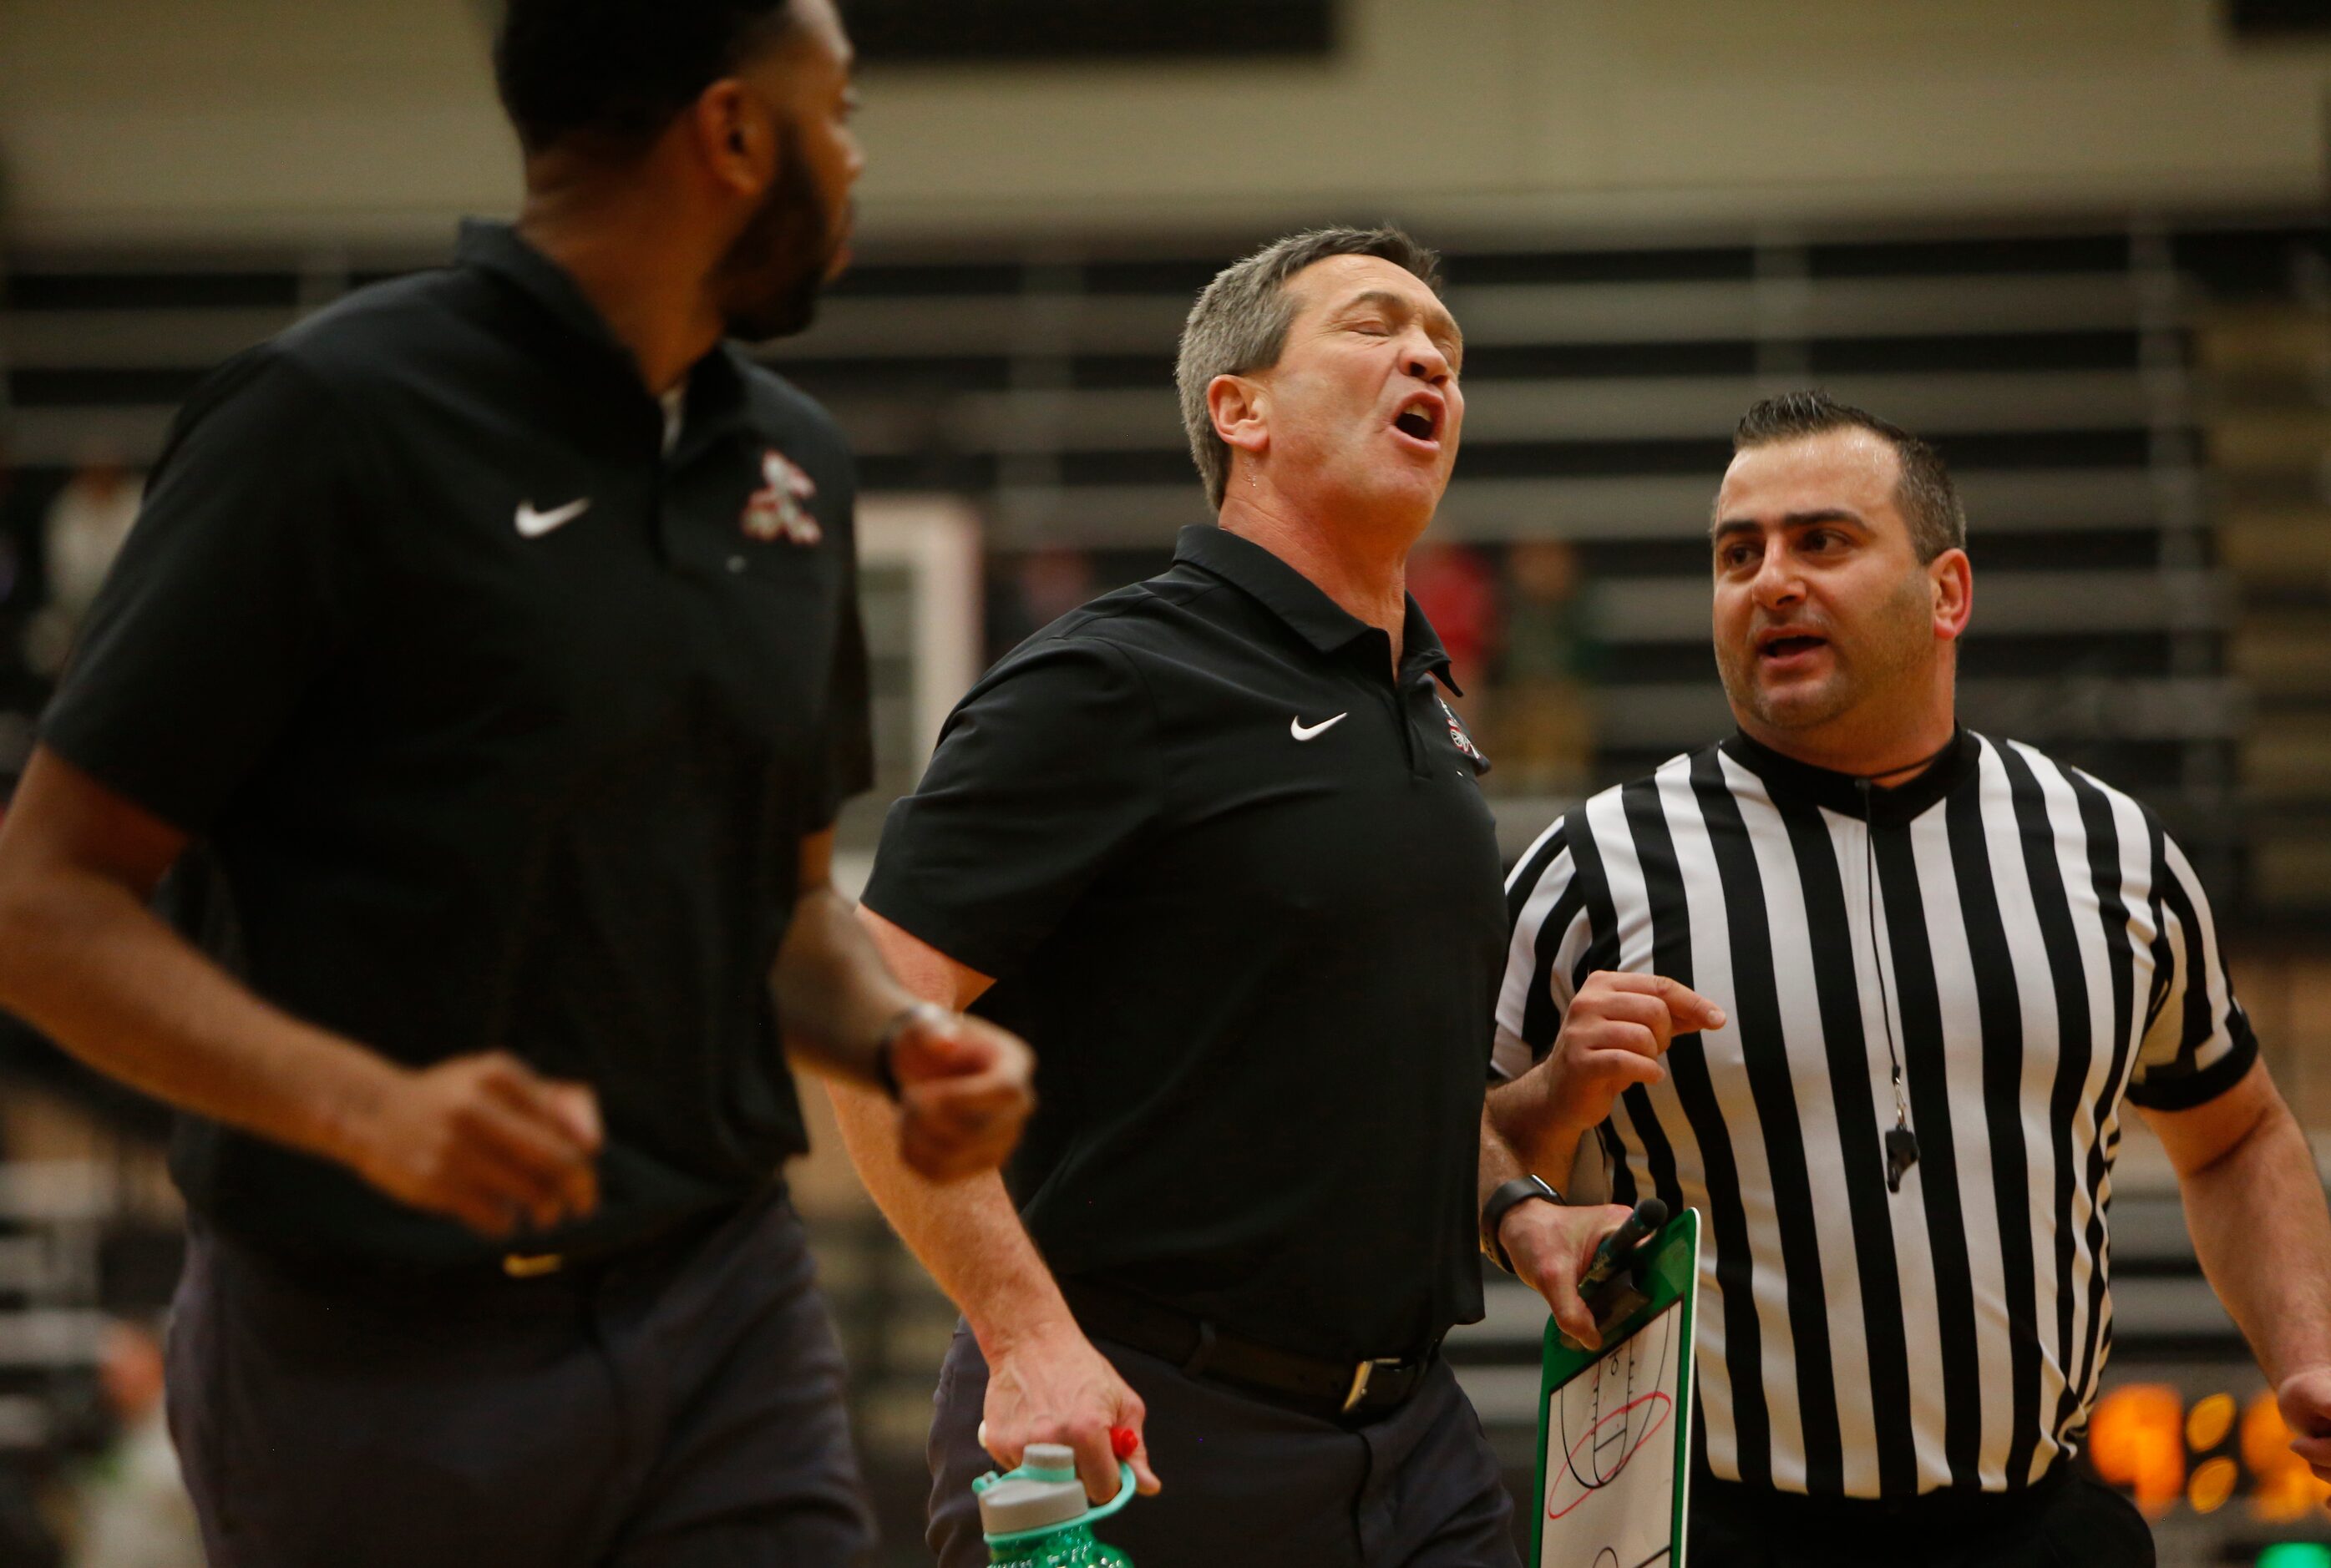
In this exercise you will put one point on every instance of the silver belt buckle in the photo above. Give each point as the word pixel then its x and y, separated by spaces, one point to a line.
pixel 1361 1374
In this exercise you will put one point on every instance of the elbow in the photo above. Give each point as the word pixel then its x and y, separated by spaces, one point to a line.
pixel 2269 1124
pixel 20 928
pixel 30 918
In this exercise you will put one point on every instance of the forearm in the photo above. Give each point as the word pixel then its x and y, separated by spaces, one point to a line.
pixel 834 995
pixel 82 960
pixel 966 1234
pixel 1532 1133
pixel 2262 1232
pixel 1500 1162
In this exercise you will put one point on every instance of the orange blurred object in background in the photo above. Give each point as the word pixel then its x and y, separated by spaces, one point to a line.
pixel 2138 1440
pixel 2282 1488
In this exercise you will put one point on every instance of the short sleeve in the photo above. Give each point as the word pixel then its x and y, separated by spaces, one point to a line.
pixel 1546 910
pixel 1045 775
pixel 2198 1042
pixel 232 594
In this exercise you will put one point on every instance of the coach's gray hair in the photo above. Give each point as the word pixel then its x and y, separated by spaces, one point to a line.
pixel 1239 325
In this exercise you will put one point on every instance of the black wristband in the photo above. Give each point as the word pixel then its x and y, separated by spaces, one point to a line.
pixel 1502 1201
pixel 886 1072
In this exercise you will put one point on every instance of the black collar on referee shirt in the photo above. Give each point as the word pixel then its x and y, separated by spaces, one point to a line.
pixel 716 401
pixel 1842 791
pixel 1302 604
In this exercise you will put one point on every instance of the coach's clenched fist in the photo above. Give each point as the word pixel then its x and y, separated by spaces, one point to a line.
pixel 485 1139
pixel 1614 1033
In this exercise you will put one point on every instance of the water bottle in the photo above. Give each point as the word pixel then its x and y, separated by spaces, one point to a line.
pixel 1035 1517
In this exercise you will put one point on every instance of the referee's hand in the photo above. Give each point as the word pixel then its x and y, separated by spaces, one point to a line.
pixel 1616 1030
pixel 1550 1247
pixel 965 1091
pixel 484 1139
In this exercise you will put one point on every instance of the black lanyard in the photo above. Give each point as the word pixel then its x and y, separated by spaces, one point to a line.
pixel 1901 1142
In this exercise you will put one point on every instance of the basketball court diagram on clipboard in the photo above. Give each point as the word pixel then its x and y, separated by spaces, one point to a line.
pixel 1615 1425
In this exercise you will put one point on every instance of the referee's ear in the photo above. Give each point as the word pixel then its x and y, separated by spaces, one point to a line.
pixel 1951 575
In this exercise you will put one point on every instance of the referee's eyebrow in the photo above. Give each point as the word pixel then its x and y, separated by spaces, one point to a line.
pixel 1788 520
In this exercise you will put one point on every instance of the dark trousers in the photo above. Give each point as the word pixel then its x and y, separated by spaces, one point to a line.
pixel 1248 1482
pixel 2068 1520
pixel 678 1408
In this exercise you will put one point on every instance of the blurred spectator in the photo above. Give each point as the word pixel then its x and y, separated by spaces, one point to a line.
pixel 86 525
pixel 1039 588
pixel 134 1508
pixel 25 1539
pixel 15 573
pixel 1053 582
pixel 1458 592
pixel 1546 728
pixel 20 585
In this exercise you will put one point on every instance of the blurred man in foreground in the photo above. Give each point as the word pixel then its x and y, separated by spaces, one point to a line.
pixel 1947 964
pixel 492 639
pixel 1213 843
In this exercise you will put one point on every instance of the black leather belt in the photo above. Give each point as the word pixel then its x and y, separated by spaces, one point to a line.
pixel 671 1240
pixel 1342 1390
pixel 674 1236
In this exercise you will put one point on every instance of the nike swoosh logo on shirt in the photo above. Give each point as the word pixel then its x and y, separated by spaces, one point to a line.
pixel 533 524
pixel 1301 731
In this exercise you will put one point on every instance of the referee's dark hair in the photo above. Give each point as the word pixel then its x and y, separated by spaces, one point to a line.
pixel 607 76
pixel 1929 499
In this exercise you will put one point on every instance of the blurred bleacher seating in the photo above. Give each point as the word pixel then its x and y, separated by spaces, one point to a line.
pixel 2140 416
pixel 2063 373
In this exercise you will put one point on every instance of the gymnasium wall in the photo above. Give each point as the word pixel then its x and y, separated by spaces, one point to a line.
pixel 233 120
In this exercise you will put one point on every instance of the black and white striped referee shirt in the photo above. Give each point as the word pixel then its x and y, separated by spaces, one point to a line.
pixel 2047 953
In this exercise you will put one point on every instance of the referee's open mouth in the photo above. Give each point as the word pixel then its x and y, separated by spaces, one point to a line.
pixel 1787 647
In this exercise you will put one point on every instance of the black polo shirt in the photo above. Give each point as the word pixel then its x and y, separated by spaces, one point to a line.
pixel 498 724
pixel 1237 886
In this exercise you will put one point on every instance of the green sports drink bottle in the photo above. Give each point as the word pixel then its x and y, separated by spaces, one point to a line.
pixel 1035 1517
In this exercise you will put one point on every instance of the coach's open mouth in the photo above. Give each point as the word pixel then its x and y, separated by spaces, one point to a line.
pixel 1419 417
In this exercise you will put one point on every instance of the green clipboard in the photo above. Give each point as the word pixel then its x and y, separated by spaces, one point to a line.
pixel 1614 1424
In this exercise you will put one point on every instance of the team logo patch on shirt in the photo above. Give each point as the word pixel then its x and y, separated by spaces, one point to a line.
pixel 779 509
pixel 1457 732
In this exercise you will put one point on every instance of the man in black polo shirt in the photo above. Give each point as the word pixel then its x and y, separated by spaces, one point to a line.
pixel 1214 845
pixel 492 638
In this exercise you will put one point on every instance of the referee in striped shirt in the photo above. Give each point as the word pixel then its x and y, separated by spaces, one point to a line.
pixel 1944 963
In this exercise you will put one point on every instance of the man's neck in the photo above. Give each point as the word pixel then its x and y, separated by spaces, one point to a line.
pixel 1364 571
pixel 1887 757
pixel 604 234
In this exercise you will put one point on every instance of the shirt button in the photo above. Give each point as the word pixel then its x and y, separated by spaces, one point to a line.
pixel 735 563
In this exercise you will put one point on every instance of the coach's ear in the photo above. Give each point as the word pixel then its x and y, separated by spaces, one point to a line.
pixel 737 137
pixel 1240 410
pixel 1951 576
